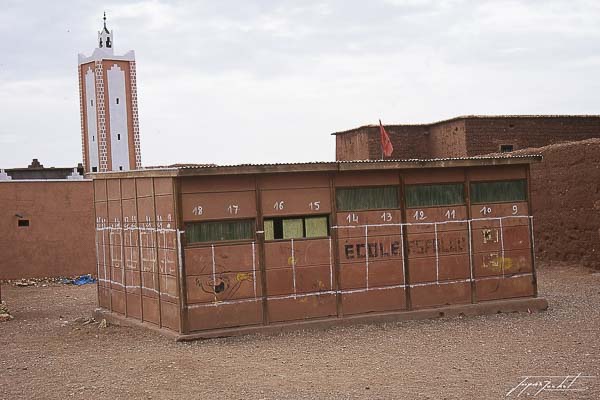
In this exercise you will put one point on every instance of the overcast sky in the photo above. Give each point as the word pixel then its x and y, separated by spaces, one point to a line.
pixel 230 82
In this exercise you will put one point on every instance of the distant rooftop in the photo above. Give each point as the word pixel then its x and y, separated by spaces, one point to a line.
pixel 37 171
pixel 461 117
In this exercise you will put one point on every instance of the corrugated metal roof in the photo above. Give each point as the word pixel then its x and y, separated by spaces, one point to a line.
pixel 410 160
pixel 323 166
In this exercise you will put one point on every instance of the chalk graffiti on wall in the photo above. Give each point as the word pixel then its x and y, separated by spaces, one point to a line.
pixel 110 245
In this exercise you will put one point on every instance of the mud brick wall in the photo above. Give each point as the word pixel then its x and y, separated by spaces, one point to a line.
pixel 466 136
pixel 485 135
pixel 447 139
pixel 353 145
pixel 566 202
pixel 57 240
pixel 409 141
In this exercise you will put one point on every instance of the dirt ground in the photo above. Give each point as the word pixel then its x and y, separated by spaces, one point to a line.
pixel 48 353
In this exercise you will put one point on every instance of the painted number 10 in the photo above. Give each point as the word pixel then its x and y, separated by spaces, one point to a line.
pixel 485 210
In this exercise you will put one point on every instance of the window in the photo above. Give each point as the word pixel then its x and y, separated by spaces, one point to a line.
pixel 120 168
pixel 23 223
pixel 117 100
pixel 506 148
pixel 92 103
pixel 432 195
pixel 500 191
pixel 94 169
pixel 296 227
pixel 93 138
pixel 197 232
pixel 118 136
pixel 368 198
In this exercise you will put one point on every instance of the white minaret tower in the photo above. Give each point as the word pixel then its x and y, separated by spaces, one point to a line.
pixel 108 107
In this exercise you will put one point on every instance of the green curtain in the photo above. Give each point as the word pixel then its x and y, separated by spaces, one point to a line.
pixel 215 231
pixel 371 198
pixel 434 195
pixel 292 228
pixel 269 231
pixel 316 226
pixel 499 191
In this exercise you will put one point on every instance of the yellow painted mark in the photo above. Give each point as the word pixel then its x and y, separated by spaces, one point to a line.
pixel 290 260
pixel 243 276
pixel 496 263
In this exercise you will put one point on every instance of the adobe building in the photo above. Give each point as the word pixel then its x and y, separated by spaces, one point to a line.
pixel 109 109
pixel 466 136
pixel 205 251
pixel 44 223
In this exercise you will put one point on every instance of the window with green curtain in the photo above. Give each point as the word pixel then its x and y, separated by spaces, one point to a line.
pixel 269 230
pixel 431 195
pixel 197 232
pixel 296 227
pixel 367 198
pixel 316 226
pixel 293 228
pixel 499 191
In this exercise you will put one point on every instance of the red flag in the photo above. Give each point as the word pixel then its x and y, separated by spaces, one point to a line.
pixel 386 144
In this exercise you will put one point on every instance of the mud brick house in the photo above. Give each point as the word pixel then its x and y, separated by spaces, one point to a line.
pixel 204 251
pixel 45 219
pixel 466 136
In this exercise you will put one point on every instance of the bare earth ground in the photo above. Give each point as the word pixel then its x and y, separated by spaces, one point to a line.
pixel 45 353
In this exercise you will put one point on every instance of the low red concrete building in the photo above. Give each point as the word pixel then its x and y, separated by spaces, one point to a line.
pixel 210 251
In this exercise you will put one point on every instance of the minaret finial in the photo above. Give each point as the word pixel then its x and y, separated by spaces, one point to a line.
pixel 104 19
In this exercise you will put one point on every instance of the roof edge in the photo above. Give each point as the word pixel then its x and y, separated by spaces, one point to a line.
pixel 466 117
pixel 327 166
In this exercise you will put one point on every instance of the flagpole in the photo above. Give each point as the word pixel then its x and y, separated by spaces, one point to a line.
pixel 380 142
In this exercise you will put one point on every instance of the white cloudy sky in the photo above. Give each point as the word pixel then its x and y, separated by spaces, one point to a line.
pixel 268 81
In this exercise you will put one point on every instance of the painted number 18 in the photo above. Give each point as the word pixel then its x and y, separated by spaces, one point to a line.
pixel 198 210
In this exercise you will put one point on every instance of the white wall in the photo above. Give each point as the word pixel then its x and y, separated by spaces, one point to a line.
pixel 92 126
pixel 119 142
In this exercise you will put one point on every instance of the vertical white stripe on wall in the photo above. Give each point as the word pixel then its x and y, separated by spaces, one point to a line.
pixel 119 148
pixel 92 126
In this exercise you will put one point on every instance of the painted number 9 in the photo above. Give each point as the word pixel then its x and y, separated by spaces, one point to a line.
pixel 515 209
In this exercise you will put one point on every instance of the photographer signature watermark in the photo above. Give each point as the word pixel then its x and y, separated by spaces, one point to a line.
pixel 536 385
